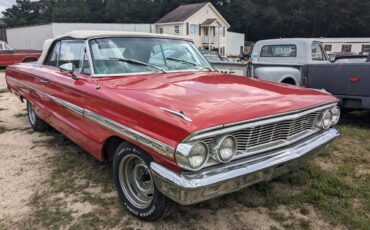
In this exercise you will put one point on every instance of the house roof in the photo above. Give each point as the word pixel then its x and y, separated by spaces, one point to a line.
pixel 208 21
pixel 182 13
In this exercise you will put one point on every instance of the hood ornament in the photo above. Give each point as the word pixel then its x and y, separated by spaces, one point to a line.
pixel 178 113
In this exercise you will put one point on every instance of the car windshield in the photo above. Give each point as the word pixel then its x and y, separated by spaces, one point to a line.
pixel 121 55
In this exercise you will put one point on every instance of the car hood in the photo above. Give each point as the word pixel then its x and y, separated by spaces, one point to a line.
pixel 209 98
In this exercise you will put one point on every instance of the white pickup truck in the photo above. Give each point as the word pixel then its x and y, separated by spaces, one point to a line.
pixel 282 60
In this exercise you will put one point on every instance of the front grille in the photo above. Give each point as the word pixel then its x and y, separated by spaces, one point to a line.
pixel 279 131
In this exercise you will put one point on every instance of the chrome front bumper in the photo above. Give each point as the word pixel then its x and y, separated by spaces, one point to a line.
pixel 194 187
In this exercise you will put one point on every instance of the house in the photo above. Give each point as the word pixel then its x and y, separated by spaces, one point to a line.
pixel 204 25
pixel 201 22
pixel 346 45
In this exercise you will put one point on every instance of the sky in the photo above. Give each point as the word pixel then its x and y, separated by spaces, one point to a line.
pixel 4 4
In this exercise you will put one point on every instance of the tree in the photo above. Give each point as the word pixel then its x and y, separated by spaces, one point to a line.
pixel 258 19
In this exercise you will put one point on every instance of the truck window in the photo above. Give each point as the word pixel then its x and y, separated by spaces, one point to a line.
pixel 279 51
pixel 317 52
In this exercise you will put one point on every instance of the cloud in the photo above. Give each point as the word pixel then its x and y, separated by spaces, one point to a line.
pixel 5 4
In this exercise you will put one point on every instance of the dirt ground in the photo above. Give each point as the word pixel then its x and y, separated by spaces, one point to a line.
pixel 46 182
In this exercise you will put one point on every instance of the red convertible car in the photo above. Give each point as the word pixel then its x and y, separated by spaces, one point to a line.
pixel 9 56
pixel 176 130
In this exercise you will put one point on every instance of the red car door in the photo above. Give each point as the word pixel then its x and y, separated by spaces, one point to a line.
pixel 66 97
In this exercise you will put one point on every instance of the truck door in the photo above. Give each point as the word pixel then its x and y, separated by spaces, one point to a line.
pixel 328 77
pixel 340 79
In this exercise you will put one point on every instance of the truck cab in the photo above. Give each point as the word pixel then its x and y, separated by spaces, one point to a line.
pixel 281 60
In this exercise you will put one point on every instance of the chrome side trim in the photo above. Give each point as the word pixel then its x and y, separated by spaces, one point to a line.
pixel 70 106
pixel 193 187
pixel 28 86
pixel 158 146
pixel 228 128
pixel 125 131
pixel 178 113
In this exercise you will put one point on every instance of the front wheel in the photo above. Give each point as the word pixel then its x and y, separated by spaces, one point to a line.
pixel 135 185
pixel 36 123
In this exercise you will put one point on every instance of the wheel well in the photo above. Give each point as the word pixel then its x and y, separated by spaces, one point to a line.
pixel 30 59
pixel 110 147
pixel 289 81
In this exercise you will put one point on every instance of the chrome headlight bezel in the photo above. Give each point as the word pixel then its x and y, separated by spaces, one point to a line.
pixel 326 120
pixel 216 148
pixel 335 111
pixel 328 117
pixel 184 152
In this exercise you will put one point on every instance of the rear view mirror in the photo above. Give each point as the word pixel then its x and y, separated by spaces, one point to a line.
pixel 67 67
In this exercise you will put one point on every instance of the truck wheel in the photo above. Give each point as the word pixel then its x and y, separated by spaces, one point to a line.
pixel 36 123
pixel 135 185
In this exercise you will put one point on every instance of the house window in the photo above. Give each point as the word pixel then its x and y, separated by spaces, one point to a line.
pixel 219 31
pixel 327 48
pixel 161 30
pixel 177 29
pixel 365 49
pixel 193 29
pixel 346 48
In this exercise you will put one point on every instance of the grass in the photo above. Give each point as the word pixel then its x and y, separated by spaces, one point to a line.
pixel 75 176
pixel 3 129
pixel 333 188
pixel 341 193
pixel 18 115
pixel 4 90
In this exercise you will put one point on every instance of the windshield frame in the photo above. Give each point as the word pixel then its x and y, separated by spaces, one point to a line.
pixel 93 74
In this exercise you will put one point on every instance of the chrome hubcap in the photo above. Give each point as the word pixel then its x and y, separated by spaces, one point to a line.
pixel 136 181
pixel 31 114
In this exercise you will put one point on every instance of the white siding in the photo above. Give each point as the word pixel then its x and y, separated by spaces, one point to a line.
pixel 30 37
pixel 33 37
pixel 62 28
pixel 234 42
pixel 337 43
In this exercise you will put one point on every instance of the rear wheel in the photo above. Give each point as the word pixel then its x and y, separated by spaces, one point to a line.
pixel 36 123
pixel 135 184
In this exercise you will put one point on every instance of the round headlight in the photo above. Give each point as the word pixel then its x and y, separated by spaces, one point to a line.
pixel 224 148
pixel 335 115
pixel 198 155
pixel 326 119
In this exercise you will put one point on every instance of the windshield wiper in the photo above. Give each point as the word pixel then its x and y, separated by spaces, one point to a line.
pixel 137 62
pixel 188 62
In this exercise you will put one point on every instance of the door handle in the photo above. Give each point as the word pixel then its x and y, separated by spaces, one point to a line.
pixel 44 81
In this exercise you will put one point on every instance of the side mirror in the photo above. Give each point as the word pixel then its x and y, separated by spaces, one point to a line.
pixel 68 68
pixel 332 57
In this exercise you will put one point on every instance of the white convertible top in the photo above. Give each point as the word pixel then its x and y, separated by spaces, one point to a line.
pixel 89 34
